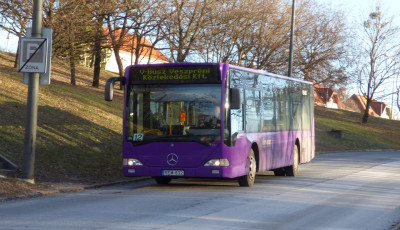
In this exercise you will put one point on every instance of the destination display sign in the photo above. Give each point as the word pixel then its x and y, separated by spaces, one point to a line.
pixel 173 74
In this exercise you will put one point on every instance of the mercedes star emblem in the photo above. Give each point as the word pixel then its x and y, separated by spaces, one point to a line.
pixel 172 159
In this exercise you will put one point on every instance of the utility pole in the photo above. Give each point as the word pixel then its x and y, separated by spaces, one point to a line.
pixel 32 103
pixel 291 39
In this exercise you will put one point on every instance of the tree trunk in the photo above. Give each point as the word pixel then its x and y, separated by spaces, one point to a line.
pixel 366 112
pixel 120 66
pixel 72 63
pixel 92 58
pixel 138 48
pixel 97 52
pixel 150 54
pixel 16 58
pixel 119 62
pixel 181 56
pixel 97 64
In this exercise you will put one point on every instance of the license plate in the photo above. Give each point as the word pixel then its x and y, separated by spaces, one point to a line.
pixel 172 172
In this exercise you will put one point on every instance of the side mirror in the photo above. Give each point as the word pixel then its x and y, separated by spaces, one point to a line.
pixel 109 90
pixel 234 100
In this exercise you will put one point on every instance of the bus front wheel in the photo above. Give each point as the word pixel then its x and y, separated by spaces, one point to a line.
pixel 293 170
pixel 248 180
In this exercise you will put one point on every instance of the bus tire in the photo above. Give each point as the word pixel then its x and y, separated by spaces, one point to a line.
pixel 293 170
pixel 248 180
pixel 162 180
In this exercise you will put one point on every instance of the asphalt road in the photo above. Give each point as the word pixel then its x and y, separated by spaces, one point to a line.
pixel 335 191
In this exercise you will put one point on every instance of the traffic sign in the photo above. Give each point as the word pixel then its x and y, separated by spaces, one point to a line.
pixel 44 77
pixel 33 57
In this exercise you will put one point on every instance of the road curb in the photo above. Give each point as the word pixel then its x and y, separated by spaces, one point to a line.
pixel 355 151
pixel 58 188
pixel 63 188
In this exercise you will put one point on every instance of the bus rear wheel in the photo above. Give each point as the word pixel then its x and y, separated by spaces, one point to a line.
pixel 248 180
pixel 293 170
pixel 162 180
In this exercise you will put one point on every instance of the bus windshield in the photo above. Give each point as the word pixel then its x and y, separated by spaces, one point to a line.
pixel 185 113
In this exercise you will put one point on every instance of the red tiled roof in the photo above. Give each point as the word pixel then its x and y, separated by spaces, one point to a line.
pixel 322 96
pixel 131 41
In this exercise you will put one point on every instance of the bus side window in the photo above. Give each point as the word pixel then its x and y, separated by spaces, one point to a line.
pixel 235 102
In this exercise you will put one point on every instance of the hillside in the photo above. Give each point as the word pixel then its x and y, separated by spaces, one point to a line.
pixel 79 134
pixel 377 134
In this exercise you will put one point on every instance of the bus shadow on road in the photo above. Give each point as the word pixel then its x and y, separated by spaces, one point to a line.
pixel 263 177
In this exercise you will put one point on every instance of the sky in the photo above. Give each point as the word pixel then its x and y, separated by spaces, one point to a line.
pixel 355 10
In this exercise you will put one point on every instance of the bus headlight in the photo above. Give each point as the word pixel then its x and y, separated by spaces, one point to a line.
pixel 217 162
pixel 132 162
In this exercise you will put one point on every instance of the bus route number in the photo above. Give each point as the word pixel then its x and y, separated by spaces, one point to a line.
pixel 138 137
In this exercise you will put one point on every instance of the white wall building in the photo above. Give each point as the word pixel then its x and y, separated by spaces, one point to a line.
pixel 128 58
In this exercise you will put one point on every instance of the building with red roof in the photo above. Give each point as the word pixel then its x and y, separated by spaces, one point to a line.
pixel 327 97
pixel 148 54
pixel 358 103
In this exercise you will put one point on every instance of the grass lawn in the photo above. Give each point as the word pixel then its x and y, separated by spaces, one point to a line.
pixel 378 133
pixel 79 134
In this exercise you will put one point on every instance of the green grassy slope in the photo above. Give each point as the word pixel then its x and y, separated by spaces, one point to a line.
pixel 378 133
pixel 79 134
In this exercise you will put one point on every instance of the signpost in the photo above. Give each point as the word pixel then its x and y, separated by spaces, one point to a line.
pixel 33 61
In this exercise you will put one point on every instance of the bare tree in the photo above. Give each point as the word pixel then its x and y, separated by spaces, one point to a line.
pixel 15 16
pixel 70 22
pixel 217 37
pixel 379 44
pixel 321 44
pixel 398 97
pixel 397 86
pixel 117 19
pixel 255 33
pixel 183 26
pixel 272 40
pixel 147 23
pixel 99 9
pixel 245 32
pixel 50 10
pixel 142 19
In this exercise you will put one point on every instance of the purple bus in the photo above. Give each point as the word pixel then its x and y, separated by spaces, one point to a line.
pixel 213 121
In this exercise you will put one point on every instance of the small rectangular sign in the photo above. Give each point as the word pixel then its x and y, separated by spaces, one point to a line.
pixel 172 173
pixel 44 77
pixel 33 57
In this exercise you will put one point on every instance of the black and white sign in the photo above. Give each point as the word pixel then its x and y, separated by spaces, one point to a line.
pixel 33 58
pixel 44 76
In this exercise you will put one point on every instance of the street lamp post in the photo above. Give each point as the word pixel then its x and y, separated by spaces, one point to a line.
pixel 291 39
pixel 32 104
